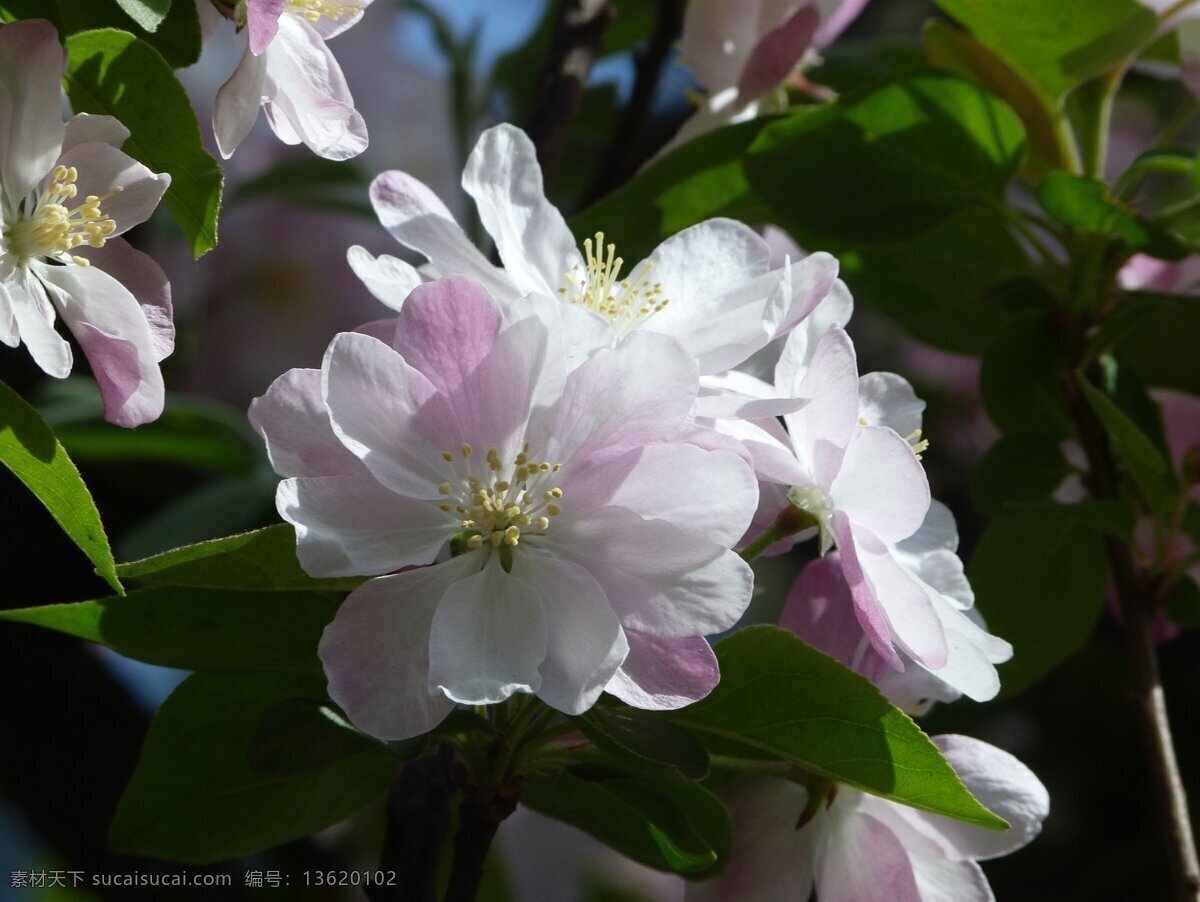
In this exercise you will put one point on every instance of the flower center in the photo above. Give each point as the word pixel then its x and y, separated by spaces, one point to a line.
pixel 813 501
pixel 312 11
pixel 54 229
pixel 597 285
pixel 508 502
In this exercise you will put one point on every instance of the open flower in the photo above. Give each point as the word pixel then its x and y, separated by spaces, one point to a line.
pixel 66 194
pixel 710 286
pixel 850 459
pixel 573 511
pixel 287 69
pixel 854 847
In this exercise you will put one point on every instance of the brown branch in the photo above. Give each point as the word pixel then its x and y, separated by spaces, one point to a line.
pixel 620 160
pixel 1138 599
pixel 578 31
pixel 418 822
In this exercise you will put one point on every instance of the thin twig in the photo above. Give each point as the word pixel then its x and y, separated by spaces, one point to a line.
pixel 578 31
pixel 620 158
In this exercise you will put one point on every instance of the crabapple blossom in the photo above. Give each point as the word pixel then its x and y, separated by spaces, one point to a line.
pixel 790 837
pixel 850 459
pixel 66 195
pixel 743 51
pixel 710 286
pixel 584 530
pixel 288 71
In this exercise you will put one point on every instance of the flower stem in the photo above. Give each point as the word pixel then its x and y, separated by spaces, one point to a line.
pixel 791 521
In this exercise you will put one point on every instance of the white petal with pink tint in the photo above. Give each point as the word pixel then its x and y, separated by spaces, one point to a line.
pixel 376 651
pixel 663 674
pixel 488 637
pixel 504 178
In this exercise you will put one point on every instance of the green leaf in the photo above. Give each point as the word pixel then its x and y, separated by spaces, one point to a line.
pixel 1056 45
pixel 952 48
pixel 1162 346
pixel 149 14
pixel 888 161
pixel 1018 467
pixel 678 827
pixel 15 10
pixel 299 735
pixel 1178 160
pixel 785 697
pixel 198 629
pixel 700 180
pixel 196 796
pixel 177 38
pixel 1039 576
pixel 113 73
pixel 1085 206
pixel 846 66
pixel 220 507
pixel 262 560
pixel 644 740
pixel 1021 377
pixel 1141 458
pixel 939 285
pixel 29 449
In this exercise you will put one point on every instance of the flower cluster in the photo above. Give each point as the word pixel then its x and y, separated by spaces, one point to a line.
pixel 547 466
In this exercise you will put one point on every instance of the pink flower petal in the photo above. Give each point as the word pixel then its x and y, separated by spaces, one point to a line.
pixel 84 128
pixel 353 526
pixel 881 485
pixel 292 419
pixel 262 22
pixel 637 393
pixel 376 651
pixel 662 674
pixel 488 637
pixel 835 21
pixel 306 96
pixel 660 579
pixel 906 603
pixel 373 397
pixel 446 329
pixel 388 278
pixel 1004 785
pixel 778 51
pixel 32 62
pixel 419 220
pixel 102 168
pixel 820 610
pixel 866 603
pixel 504 178
pixel 584 641
pixel 111 328
pixel 770 861
pixel 860 860
pixel 237 103
pixel 821 430
pixel 146 281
